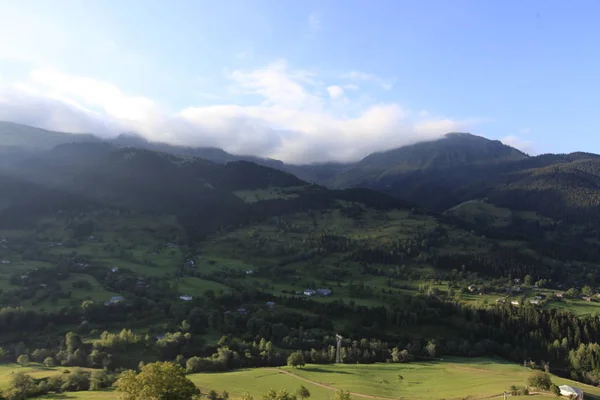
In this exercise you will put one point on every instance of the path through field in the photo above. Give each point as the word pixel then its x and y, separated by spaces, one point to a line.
pixel 324 386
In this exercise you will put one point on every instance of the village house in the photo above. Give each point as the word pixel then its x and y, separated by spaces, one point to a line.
pixel 271 304
pixel 242 311
pixel 571 392
pixel 514 302
pixel 586 298
pixel 115 269
pixel 534 301
pixel 114 300
pixel 560 295
pixel 185 297
pixel 309 292
pixel 250 272
pixel 4 262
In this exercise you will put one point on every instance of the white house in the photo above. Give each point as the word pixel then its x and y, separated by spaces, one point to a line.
pixel 185 298
pixel 568 391
pixel 309 292
pixel 115 269
pixel 514 302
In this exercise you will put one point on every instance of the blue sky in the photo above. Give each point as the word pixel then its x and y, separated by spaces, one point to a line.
pixel 306 80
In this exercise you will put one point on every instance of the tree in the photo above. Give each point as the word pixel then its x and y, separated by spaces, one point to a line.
pixel 22 386
pixel 23 360
pixel 587 290
pixel 296 359
pixel 527 280
pixel 303 392
pixel 555 390
pixel 49 362
pixel 342 395
pixel 540 380
pixel 281 394
pixel 247 396
pixel 157 381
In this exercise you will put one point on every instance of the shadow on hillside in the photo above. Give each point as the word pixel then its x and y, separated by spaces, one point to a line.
pixel 327 371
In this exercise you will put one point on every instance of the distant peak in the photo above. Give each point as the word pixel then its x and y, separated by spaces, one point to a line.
pixel 458 134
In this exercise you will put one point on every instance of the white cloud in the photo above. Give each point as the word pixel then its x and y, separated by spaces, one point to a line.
pixel 350 86
pixel 283 112
pixel 524 131
pixel 366 77
pixel 519 143
pixel 335 92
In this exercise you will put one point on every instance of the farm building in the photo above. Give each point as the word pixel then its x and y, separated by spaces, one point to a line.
pixel 570 391
pixel 114 300
pixel 185 298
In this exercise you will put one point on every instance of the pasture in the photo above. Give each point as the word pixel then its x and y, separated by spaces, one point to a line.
pixel 453 378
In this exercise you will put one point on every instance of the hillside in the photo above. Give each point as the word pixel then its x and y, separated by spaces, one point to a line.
pixel 213 261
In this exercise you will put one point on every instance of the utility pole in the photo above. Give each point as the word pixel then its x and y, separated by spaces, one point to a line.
pixel 338 353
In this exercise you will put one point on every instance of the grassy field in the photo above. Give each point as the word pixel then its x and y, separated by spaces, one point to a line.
pixel 451 379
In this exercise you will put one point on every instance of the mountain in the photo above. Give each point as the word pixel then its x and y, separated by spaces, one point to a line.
pixel 452 151
pixel 436 175
pixel 18 141
pixel 208 153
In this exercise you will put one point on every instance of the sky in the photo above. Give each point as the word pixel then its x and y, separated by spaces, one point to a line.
pixel 306 81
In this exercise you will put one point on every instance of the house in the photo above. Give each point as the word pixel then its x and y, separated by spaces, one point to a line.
pixel 586 298
pixel 185 298
pixel 517 281
pixel 116 299
pixel 500 300
pixel 309 292
pixel 250 272
pixel 242 311
pixel 534 301
pixel 4 262
pixel 570 391
pixel 324 292
pixel 271 304
pixel 514 302
pixel 114 269
pixel 560 295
